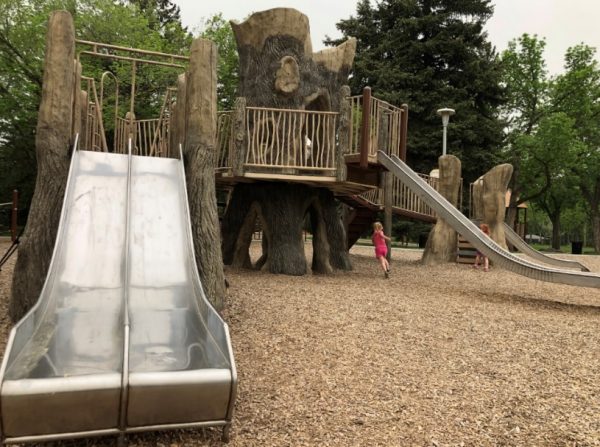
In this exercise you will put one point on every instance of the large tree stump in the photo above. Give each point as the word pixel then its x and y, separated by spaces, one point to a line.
pixel 442 241
pixel 199 153
pixel 52 140
pixel 489 196
pixel 278 69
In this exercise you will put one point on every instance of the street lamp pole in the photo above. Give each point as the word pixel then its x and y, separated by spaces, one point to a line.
pixel 445 114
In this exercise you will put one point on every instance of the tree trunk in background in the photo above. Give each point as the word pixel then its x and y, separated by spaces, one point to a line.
pixel 596 232
pixel 442 241
pixel 199 153
pixel 555 218
pixel 333 220
pixel 233 220
pixel 53 136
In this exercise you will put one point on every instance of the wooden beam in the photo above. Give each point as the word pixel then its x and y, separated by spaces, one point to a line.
pixel 366 128
pixel 404 132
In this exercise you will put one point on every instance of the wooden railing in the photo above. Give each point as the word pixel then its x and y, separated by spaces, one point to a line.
pixel 150 136
pixel 92 138
pixel 376 125
pixel 296 139
pixel 223 140
pixel 403 198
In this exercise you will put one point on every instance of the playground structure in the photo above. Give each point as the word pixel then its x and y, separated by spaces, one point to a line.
pixel 138 278
pixel 123 337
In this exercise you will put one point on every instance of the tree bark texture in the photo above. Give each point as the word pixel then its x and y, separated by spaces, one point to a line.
pixel 343 131
pixel 278 69
pixel 493 201
pixel 199 154
pixel 281 209
pixel 277 65
pixel 442 241
pixel 53 135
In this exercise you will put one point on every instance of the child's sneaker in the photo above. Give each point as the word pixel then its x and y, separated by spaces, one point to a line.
pixel 386 274
pixel 475 266
pixel 485 269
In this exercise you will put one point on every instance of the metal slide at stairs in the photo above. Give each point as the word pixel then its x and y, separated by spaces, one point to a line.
pixel 513 238
pixel 122 338
pixel 445 210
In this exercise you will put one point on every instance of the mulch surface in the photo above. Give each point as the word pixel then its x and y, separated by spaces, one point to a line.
pixel 433 356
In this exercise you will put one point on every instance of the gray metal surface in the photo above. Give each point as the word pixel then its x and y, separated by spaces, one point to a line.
pixel 513 238
pixel 122 337
pixel 445 210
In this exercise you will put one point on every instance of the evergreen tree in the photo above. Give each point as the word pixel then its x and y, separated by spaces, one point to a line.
pixel 432 54
pixel 164 12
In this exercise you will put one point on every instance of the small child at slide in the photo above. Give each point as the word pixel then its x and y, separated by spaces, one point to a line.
pixel 486 262
pixel 379 239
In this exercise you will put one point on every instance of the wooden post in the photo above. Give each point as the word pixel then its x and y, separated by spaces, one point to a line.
pixel 403 132
pixel 238 130
pixel 365 131
pixel 83 104
pixel 199 153
pixel 383 144
pixel 14 215
pixel 179 115
pixel 52 138
pixel 77 101
pixel 343 130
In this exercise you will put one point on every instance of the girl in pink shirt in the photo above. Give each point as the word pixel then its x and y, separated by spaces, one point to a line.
pixel 379 240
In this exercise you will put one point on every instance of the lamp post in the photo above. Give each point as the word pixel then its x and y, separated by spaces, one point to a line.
pixel 445 114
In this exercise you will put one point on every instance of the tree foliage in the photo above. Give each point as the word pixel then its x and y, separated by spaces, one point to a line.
pixel 219 31
pixel 432 54
pixel 22 42
pixel 553 137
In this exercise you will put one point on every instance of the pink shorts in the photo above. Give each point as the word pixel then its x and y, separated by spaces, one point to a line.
pixel 380 251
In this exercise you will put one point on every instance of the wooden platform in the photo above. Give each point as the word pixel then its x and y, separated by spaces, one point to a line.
pixel 226 178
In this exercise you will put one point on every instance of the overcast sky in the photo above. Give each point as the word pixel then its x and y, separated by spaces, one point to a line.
pixel 562 23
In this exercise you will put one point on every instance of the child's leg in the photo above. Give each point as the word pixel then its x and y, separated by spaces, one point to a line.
pixel 486 263
pixel 476 262
pixel 382 262
pixel 387 264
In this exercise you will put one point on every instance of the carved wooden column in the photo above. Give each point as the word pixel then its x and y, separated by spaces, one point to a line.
pixel 199 154
pixel 53 135
pixel 442 241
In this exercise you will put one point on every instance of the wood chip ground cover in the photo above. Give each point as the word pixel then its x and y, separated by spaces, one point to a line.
pixel 434 356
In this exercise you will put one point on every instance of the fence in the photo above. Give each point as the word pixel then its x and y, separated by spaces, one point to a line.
pixel 284 138
pixel 150 136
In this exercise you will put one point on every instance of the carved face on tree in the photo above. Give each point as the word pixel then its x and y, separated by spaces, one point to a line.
pixel 278 67
pixel 287 78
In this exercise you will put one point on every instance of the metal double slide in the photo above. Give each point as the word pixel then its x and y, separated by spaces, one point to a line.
pixel 445 210
pixel 513 238
pixel 122 338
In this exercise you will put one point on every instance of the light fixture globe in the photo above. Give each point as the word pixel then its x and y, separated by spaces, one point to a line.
pixel 445 114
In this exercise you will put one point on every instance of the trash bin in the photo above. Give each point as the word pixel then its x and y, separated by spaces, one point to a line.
pixel 423 240
pixel 576 247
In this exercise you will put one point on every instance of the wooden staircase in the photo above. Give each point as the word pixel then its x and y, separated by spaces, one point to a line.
pixel 364 213
pixel 465 253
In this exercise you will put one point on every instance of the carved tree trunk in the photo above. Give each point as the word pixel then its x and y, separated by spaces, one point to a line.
pixel 442 241
pixel 493 196
pixel 200 131
pixel 52 140
pixel 278 69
